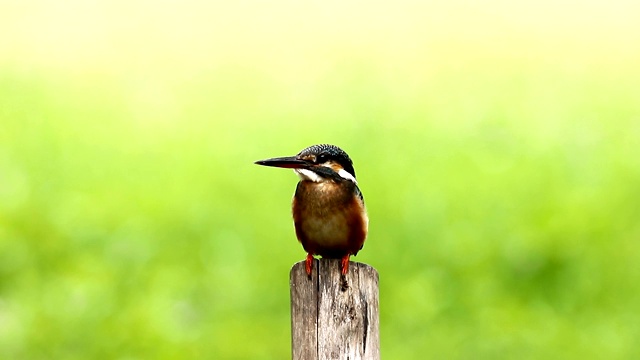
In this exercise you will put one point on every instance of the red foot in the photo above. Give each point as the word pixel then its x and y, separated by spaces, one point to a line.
pixel 344 264
pixel 308 264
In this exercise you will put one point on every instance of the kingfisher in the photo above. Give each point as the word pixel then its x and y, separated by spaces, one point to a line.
pixel 328 209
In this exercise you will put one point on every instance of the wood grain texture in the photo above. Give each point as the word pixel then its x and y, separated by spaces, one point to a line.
pixel 334 317
pixel 304 312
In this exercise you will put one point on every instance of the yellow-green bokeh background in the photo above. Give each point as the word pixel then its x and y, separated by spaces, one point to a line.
pixel 496 143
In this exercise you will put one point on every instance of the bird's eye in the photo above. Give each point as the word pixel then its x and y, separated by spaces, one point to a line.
pixel 321 158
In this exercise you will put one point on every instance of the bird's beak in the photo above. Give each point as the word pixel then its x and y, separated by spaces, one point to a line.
pixel 289 162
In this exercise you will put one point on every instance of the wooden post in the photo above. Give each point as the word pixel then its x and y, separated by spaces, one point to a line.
pixel 334 317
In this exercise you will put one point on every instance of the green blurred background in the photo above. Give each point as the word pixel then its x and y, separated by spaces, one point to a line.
pixel 496 143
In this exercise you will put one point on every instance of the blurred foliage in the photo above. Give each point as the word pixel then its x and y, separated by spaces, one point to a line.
pixel 496 145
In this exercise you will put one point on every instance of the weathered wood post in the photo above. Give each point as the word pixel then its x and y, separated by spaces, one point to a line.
pixel 334 317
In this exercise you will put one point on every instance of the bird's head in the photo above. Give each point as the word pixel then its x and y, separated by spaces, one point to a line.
pixel 317 163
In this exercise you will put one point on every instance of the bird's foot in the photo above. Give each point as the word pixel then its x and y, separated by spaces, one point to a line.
pixel 344 264
pixel 308 264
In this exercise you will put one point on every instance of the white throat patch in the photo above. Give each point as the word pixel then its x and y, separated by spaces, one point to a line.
pixel 309 175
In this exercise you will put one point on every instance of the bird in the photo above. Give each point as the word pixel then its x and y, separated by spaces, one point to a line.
pixel 328 208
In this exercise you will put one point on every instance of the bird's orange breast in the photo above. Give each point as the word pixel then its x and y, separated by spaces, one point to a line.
pixel 329 218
